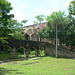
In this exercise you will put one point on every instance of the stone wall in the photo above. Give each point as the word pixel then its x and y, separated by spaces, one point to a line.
pixel 49 49
pixel 25 44
pixel 32 30
pixel 61 52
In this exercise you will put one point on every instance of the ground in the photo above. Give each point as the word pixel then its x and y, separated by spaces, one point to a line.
pixel 45 65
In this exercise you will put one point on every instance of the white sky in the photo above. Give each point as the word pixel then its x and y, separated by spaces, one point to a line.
pixel 28 9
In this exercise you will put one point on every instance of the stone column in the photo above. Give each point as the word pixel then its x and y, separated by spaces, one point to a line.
pixel 26 53
pixel 31 37
pixel 37 52
pixel 45 50
pixel 12 53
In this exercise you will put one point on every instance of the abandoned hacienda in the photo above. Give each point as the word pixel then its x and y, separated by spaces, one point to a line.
pixel 37 37
pixel 32 40
pixel 31 32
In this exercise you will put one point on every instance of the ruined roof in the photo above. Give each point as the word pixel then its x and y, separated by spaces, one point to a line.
pixel 35 24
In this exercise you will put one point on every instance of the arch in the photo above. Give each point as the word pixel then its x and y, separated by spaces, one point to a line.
pixel 7 48
pixel 20 50
pixel 25 51
pixel 22 47
pixel 26 37
pixel 41 50
pixel 37 53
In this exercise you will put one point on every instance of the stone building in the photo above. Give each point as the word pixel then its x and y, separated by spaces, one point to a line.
pixel 31 32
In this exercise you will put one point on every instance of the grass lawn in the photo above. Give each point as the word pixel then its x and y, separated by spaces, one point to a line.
pixel 38 66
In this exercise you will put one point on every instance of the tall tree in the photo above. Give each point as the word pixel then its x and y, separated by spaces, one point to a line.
pixel 72 7
pixel 5 18
pixel 49 31
pixel 17 30
pixel 70 28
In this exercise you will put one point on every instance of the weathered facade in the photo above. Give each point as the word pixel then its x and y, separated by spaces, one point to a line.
pixel 31 32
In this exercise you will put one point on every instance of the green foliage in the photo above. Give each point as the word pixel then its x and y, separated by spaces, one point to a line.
pixel 56 17
pixel 65 26
pixel 70 34
pixel 41 52
pixel 35 22
pixel 32 52
pixel 70 29
pixel 49 31
pixel 17 34
pixel 9 28
pixel 4 56
pixel 24 21
pixel 2 40
pixel 20 50
pixel 40 18
pixel 72 7
pixel 5 18
pixel 17 30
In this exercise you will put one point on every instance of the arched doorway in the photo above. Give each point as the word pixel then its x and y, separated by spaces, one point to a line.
pixel 26 37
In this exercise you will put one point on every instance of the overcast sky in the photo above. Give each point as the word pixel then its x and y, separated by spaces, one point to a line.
pixel 28 9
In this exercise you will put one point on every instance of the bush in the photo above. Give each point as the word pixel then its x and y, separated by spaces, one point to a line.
pixel 32 52
pixel 20 50
pixel 40 51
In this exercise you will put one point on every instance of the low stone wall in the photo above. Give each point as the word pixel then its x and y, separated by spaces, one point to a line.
pixel 61 52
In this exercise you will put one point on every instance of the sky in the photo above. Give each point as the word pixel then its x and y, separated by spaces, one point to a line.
pixel 28 9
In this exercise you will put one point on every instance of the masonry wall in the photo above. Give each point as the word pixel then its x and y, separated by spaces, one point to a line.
pixel 48 48
pixel 61 52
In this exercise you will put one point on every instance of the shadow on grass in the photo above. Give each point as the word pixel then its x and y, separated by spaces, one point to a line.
pixel 20 73
pixel 18 59
pixel 4 71
pixel 58 57
pixel 53 56
pixel 27 58
pixel 30 63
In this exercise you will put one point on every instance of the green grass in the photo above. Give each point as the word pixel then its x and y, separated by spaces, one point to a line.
pixel 4 56
pixel 42 66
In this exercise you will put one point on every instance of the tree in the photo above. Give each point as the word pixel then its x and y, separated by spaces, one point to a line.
pixel 17 34
pixel 40 18
pixel 24 21
pixel 49 31
pixel 35 22
pixel 72 7
pixel 5 19
pixel 70 28
pixel 17 30
pixel 70 36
